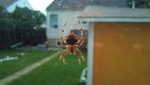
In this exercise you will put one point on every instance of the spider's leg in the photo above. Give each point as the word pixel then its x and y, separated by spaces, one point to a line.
pixel 80 54
pixel 62 56
pixel 79 60
pixel 77 52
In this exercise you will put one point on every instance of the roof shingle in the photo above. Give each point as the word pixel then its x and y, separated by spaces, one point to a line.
pixel 81 4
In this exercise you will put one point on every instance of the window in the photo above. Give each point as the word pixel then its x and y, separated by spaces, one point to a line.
pixel 54 21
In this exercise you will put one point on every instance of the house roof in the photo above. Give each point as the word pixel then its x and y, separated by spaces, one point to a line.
pixel 67 5
pixel 110 3
pixel 114 12
pixel 81 4
pixel 6 3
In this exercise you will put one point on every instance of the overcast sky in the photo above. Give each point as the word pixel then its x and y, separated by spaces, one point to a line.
pixel 40 4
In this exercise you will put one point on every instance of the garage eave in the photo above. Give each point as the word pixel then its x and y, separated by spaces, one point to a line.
pixel 107 14
pixel 115 19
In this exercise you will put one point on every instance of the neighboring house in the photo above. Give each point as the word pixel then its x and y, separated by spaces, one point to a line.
pixel 63 14
pixel 118 45
pixel 19 3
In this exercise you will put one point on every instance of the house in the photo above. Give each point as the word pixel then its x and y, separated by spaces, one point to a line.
pixel 19 3
pixel 118 45
pixel 62 14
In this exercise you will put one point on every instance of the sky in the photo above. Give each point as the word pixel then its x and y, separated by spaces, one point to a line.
pixel 40 5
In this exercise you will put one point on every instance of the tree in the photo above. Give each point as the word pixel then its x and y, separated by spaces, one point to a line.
pixel 26 18
pixel 5 25
pixel 140 3
pixel 3 18
pixel 18 26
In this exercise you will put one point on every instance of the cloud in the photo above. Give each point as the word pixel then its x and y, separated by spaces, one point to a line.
pixel 40 5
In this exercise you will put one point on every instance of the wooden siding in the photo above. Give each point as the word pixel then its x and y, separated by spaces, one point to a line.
pixel 122 54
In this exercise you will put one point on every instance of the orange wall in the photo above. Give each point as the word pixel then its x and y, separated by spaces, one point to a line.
pixel 122 54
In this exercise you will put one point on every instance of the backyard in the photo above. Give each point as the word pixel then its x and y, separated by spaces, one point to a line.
pixel 54 72
pixel 25 57
pixel 30 56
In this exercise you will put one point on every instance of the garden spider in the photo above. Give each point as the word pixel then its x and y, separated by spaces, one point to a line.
pixel 71 45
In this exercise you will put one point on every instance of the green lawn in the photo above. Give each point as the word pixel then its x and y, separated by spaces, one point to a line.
pixel 53 73
pixel 31 56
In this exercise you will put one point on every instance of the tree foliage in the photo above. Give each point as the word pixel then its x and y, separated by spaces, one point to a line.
pixel 26 18
pixel 140 3
pixel 4 19
pixel 19 27
pixel 20 18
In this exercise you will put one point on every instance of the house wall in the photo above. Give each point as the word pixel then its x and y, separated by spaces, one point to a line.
pixel 67 20
pixel 121 54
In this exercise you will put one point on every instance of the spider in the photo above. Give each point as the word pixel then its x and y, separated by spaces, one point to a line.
pixel 71 45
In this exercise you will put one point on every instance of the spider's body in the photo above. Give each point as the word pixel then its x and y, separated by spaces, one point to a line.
pixel 72 43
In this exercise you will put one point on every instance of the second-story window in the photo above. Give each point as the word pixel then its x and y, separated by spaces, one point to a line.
pixel 54 20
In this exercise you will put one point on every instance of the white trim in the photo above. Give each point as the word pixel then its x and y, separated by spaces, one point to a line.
pixel 90 54
pixel 115 19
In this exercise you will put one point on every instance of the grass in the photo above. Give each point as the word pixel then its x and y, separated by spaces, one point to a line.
pixel 54 73
pixel 31 56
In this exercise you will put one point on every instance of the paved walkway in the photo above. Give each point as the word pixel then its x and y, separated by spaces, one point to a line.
pixel 27 70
